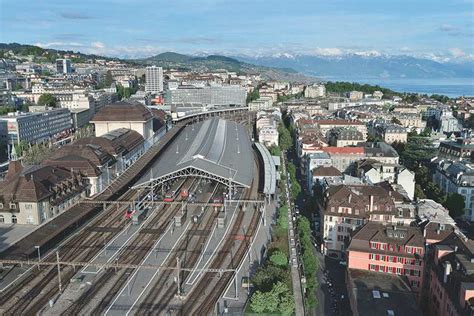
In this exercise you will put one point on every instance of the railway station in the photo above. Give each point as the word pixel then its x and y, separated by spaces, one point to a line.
pixel 182 220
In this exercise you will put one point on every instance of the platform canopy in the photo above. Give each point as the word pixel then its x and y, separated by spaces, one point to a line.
pixel 216 149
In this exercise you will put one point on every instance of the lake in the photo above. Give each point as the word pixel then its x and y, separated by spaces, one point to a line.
pixel 451 87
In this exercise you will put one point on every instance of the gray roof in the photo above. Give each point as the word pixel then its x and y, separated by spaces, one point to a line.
pixel 217 147
pixel 270 169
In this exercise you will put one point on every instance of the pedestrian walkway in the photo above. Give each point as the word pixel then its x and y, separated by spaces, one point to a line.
pixel 294 260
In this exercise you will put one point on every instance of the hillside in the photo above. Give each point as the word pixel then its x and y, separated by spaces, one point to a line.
pixel 214 62
pixel 165 60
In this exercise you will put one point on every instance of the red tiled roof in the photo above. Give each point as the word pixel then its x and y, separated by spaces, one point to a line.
pixel 344 150
pixel 339 122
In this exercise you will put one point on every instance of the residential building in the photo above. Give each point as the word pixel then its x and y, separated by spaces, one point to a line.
pixel 347 207
pixel 326 125
pixel 449 278
pixel 36 194
pixel 343 158
pixel 63 66
pixel 268 136
pixel 380 151
pixel 457 177
pixel 315 91
pixel 460 149
pixel 356 95
pixel 389 133
pixel 376 294
pixel 154 79
pixel 389 249
pixel 262 103
pixel 321 173
pixel 343 137
pixel 374 171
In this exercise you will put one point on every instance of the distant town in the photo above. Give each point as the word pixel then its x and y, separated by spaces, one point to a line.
pixel 138 188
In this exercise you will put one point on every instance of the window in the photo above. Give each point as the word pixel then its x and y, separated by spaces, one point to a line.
pixel 2 219
pixel 399 271
pixel 14 219
pixel 1 205
pixel 372 267
pixel 12 205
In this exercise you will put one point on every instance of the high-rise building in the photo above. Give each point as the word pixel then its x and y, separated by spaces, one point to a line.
pixel 154 79
pixel 63 66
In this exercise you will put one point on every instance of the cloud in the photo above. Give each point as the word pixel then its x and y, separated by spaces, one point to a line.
pixel 452 30
pixel 98 45
pixel 68 37
pixel 457 52
pixel 59 45
pixel 182 40
pixel 75 16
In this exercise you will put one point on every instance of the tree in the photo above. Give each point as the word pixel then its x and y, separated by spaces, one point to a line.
pixel 278 258
pixel 285 140
pixel 47 99
pixel 455 204
pixel 267 275
pixel 260 301
pixel 396 121
pixel 419 192
pixel 275 150
pixel 108 80
pixel 254 95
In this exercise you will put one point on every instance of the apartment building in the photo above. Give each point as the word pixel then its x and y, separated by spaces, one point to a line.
pixel 457 177
pixel 154 79
pixel 347 207
pixel 389 249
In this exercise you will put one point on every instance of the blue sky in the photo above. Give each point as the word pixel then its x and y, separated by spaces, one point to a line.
pixel 440 30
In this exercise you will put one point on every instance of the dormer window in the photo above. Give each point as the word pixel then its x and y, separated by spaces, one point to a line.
pixel 12 205
pixel 1 205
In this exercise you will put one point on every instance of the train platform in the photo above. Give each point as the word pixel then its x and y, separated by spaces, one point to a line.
pixel 50 233
pixel 12 233
pixel 235 297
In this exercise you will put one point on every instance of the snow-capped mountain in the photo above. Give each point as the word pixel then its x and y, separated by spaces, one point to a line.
pixel 371 64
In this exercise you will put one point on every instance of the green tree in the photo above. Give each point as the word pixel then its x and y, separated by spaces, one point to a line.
pixel 419 192
pixel 267 275
pixel 287 304
pixel 396 121
pixel 254 95
pixel 261 301
pixel 108 80
pixel 455 204
pixel 275 150
pixel 47 99
pixel 278 258
pixel 285 140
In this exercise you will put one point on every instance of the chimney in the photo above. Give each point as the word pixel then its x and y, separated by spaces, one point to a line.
pixel 447 271
pixel 14 167
pixel 371 205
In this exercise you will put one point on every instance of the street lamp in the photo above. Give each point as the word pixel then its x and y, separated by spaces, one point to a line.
pixel 39 256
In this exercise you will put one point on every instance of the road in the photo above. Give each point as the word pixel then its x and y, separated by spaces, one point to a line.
pixel 295 273
pixel 332 293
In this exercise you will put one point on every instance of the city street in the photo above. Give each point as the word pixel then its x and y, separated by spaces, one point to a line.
pixel 332 293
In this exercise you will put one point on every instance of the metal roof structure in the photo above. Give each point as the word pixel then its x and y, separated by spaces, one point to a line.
pixel 270 169
pixel 216 149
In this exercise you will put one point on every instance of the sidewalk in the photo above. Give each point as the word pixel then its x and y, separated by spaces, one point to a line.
pixel 295 275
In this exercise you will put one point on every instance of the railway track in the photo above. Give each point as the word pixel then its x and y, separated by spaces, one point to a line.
pixel 203 299
pixel 156 300
pixel 85 239
pixel 131 254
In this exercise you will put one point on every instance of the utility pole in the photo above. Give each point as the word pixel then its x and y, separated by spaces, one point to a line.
pixel 178 265
pixel 59 272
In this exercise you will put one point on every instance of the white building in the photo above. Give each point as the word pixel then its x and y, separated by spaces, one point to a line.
pixel 457 177
pixel 227 95
pixel 154 79
pixel 315 91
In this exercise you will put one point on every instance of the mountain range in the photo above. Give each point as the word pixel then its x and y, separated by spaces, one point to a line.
pixel 354 66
